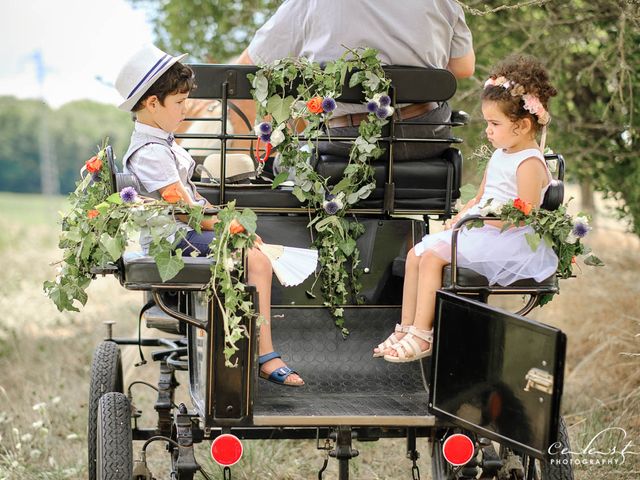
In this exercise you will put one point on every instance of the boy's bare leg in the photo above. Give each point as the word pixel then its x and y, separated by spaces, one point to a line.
pixel 260 274
pixel 429 280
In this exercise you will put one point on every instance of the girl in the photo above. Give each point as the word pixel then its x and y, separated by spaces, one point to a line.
pixel 514 105
pixel 156 86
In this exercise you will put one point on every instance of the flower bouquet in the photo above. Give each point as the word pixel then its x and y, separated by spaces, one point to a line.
pixel 556 228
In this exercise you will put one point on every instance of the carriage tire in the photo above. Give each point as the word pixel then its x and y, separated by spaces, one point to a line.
pixel 106 376
pixel 559 470
pixel 114 445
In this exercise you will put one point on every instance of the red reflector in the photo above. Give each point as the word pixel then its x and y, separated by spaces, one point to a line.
pixel 226 450
pixel 458 449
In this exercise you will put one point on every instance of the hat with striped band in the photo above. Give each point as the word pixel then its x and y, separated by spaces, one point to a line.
pixel 140 72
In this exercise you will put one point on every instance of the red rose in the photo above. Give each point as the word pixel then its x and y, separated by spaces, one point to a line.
pixel 94 164
pixel 315 105
pixel 524 207
pixel 93 213
pixel 235 227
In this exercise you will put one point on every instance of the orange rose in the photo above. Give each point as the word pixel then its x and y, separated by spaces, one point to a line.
pixel 93 213
pixel 94 164
pixel 171 194
pixel 315 105
pixel 524 207
pixel 235 227
pixel 573 259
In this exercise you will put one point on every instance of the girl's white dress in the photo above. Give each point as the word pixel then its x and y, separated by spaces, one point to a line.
pixel 506 257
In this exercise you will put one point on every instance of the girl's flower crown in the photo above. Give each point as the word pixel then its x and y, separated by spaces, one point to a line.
pixel 532 103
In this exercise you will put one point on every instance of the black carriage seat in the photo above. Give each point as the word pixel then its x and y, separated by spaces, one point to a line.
pixel 429 185
pixel 472 283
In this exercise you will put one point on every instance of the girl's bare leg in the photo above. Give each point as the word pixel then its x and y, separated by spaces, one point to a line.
pixel 409 294
pixel 429 280
pixel 260 274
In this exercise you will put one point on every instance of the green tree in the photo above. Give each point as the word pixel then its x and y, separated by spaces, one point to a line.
pixel 75 130
pixel 213 31
pixel 78 129
pixel 20 122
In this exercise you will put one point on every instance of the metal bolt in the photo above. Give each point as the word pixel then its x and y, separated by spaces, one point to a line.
pixel 541 400
pixel 367 270
pixel 544 363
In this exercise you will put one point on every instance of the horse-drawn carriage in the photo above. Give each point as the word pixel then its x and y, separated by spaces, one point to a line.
pixel 495 376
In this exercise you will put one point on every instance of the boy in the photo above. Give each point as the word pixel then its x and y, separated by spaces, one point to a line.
pixel 155 86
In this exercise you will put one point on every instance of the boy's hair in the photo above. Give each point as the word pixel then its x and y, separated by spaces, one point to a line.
pixel 178 78
pixel 527 75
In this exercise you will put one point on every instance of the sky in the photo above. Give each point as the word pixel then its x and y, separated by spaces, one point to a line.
pixel 79 40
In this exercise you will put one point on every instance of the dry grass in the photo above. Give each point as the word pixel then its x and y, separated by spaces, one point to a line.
pixel 45 357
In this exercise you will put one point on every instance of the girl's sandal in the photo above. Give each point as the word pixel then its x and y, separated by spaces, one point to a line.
pixel 408 349
pixel 391 340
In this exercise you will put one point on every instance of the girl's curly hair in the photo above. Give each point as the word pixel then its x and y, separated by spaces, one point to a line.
pixel 527 76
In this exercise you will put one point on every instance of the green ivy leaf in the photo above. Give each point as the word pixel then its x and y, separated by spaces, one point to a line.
pixel 112 245
pixel 593 261
pixel 280 108
pixel 169 264
pixel 115 198
pixel 533 239
pixel 281 177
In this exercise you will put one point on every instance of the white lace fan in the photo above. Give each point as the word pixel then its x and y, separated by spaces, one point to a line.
pixel 290 264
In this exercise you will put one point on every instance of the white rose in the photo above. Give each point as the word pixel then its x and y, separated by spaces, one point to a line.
pixel 491 208
pixel 277 137
pixel 228 264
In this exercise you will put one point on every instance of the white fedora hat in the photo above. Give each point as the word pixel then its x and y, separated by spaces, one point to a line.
pixel 140 71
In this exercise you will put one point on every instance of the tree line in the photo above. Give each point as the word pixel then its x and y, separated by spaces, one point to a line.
pixel 73 133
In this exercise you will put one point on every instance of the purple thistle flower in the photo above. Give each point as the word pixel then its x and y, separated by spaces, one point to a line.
pixel 265 128
pixel 328 104
pixel 580 230
pixel 385 100
pixel 128 194
pixel 382 113
pixel 331 207
pixel 265 137
pixel 329 196
pixel 372 106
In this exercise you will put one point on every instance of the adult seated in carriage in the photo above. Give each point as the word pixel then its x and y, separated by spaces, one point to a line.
pixel 423 33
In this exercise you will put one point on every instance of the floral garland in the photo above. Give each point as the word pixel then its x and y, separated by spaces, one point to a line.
pixel 97 230
pixel 556 228
pixel 314 101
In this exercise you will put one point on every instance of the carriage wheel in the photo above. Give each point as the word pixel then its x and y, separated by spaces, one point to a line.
pixel 106 376
pixel 114 445
pixel 558 470
pixel 554 468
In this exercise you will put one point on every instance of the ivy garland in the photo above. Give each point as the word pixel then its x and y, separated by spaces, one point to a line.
pixel 100 225
pixel 296 89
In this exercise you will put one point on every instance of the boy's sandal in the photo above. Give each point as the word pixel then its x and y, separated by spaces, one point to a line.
pixel 279 375
pixel 391 340
pixel 408 349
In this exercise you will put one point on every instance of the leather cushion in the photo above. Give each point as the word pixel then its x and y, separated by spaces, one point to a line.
pixel 140 271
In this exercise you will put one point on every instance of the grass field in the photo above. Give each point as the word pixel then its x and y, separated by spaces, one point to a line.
pixel 45 358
